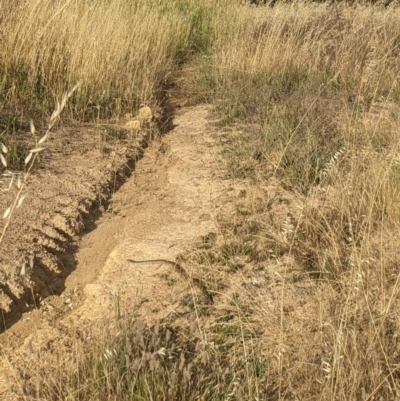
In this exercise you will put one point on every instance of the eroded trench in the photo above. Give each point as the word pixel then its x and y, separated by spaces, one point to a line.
pixel 70 191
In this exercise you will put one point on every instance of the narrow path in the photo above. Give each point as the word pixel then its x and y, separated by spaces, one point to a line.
pixel 168 203
pixel 170 200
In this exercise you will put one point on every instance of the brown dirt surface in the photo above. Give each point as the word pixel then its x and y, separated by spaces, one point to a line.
pixel 70 185
pixel 172 198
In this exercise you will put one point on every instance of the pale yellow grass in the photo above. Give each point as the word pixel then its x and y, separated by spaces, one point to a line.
pixel 318 87
pixel 122 50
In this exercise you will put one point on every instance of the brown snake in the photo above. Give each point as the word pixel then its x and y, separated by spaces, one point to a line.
pixel 182 271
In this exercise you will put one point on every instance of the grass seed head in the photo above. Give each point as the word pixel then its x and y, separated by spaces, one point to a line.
pixel 7 212
pixel 3 160
pixel 36 150
pixel 43 138
pixel 28 158
pixel 22 199
pixel 32 127
pixel 23 269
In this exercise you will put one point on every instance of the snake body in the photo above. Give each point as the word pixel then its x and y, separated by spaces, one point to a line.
pixel 182 271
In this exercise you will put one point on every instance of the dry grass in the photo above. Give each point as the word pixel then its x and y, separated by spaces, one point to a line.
pixel 317 89
pixel 122 50
pixel 306 272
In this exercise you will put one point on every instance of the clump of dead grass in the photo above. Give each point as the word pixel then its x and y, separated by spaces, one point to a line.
pixel 130 360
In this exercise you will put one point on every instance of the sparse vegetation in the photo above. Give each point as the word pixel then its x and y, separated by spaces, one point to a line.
pixel 305 268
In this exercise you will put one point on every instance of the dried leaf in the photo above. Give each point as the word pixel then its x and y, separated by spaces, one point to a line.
pixel 21 199
pixel 28 158
pixel 4 148
pixel 19 182
pixel 3 160
pixel 7 213
pixel 32 127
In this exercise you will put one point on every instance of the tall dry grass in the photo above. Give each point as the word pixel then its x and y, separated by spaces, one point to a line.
pixel 317 89
pixel 122 50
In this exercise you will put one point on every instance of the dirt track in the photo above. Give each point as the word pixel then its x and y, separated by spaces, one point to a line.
pixel 71 183
pixel 168 202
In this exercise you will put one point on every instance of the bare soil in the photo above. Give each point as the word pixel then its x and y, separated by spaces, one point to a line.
pixel 71 185
pixel 172 197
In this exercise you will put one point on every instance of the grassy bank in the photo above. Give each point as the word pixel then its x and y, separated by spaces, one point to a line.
pixel 306 271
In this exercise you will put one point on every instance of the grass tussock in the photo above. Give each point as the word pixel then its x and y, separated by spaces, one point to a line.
pixel 132 361
pixel 305 272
